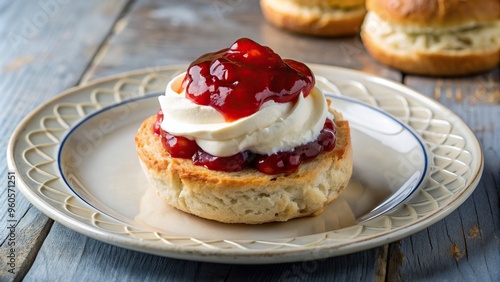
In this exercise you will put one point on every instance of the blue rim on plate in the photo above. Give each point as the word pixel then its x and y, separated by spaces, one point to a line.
pixel 455 171
pixel 396 198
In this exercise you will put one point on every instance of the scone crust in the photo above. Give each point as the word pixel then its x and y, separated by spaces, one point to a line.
pixel 434 63
pixel 437 13
pixel 248 196
pixel 317 20
pixel 331 3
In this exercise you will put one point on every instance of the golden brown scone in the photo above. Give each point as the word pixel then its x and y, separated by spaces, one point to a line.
pixel 443 38
pixel 331 3
pixel 319 17
pixel 247 196
pixel 435 13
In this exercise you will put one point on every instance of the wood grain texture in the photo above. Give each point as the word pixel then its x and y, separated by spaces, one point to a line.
pixel 157 33
pixel 46 46
pixel 42 57
pixel 69 256
pixel 465 246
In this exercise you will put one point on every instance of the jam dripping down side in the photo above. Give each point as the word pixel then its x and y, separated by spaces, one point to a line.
pixel 282 162
pixel 236 81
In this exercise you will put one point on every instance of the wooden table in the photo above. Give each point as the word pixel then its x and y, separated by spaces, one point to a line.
pixel 50 45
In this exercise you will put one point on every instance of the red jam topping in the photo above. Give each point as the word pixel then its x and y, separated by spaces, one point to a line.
pixel 236 81
pixel 282 162
pixel 176 146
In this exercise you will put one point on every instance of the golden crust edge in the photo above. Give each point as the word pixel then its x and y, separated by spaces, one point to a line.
pixel 437 63
pixel 161 169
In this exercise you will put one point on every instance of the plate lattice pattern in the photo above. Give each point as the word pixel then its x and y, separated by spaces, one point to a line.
pixel 449 172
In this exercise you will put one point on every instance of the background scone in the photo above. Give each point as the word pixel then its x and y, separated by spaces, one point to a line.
pixel 316 17
pixel 246 196
pixel 432 37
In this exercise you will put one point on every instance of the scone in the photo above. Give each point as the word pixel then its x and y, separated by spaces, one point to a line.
pixel 245 137
pixel 443 38
pixel 316 17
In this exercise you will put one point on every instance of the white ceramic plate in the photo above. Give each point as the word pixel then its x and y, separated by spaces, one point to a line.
pixel 76 160
pixel 390 162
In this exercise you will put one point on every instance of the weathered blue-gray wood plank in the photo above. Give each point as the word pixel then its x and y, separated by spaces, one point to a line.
pixel 46 46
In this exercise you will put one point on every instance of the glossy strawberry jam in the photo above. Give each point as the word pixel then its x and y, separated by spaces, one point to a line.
pixel 282 162
pixel 236 81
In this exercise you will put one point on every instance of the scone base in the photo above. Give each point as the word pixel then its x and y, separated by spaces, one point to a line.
pixel 247 196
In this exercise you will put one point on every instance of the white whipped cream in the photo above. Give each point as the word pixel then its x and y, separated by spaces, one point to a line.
pixel 275 127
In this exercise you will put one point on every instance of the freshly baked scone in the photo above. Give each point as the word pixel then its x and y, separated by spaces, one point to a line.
pixel 444 38
pixel 316 17
pixel 244 136
pixel 246 196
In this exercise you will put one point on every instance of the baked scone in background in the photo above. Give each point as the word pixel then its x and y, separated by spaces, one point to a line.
pixel 246 196
pixel 434 37
pixel 326 18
